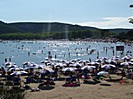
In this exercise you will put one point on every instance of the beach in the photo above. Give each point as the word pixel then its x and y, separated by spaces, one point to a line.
pixel 104 90
pixel 38 63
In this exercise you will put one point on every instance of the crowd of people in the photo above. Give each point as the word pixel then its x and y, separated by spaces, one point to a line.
pixel 72 72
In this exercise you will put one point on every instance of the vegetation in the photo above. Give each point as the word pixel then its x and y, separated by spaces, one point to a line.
pixel 13 93
pixel 131 19
pixel 57 35
pixel 126 36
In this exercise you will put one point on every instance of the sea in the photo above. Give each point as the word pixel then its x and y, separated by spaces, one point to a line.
pixel 39 50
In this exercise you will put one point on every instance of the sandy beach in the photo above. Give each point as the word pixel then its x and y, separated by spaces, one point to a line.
pixel 103 90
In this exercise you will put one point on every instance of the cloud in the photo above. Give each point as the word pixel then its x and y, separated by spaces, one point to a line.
pixel 110 22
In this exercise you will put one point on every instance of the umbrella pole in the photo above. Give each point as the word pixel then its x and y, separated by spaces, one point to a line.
pixel 122 73
pixel 110 77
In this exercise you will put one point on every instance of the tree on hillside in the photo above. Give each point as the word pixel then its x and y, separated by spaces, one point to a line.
pixel 131 5
pixel 131 19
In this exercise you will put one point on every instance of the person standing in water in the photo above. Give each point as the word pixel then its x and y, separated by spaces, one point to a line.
pixel 5 60
pixel 10 59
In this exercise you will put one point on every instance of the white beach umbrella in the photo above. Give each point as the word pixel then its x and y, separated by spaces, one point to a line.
pixel 131 60
pixel 12 66
pixel 48 69
pixel 77 64
pixel 116 58
pixel 108 66
pixel 93 63
pixel 15 73
pixel 111 61
pixel 10 63
pixel 102 73
pixel 127 57
pixel 15 69
pixel 68 69
pixel 60 64
pixel 126 63
pixel 99 60
pixel 88 67
pixel 29 64
pixel 42 71
pixel 38 66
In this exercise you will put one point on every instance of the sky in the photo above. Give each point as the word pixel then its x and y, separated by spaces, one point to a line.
pixel 96 13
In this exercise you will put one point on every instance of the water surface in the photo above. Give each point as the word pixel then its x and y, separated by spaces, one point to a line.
pixel 36 51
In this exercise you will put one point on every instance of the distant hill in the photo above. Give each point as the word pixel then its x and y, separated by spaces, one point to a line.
pixel 120 30
pixel 6 28
pixel 48 27
pixel 33 27
pixel 36 27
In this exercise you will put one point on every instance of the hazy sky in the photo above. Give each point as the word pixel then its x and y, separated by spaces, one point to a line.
pixel 97 13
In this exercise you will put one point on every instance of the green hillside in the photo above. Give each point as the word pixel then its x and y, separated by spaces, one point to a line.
pixel 55 30
pixel 5 28
pixel 33 27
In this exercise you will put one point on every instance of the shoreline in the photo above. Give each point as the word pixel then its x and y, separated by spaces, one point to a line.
pixel 112 40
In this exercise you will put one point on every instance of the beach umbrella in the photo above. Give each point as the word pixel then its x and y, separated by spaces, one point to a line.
pixel 116 58
pixel 38 66
pixel 15 69
pixel 48 69
pixel 102 73
pixel 32 65
pixel 68 69
pixel 111 61
pixel 127 57
pixel 29 64
pixel 131 60
pixel 49 64
pixel 103 58
pixel 99 60
pixel 26 63
pixel 126 63
pixel 75 60
pixel 88 67
pixel 15 73
pixel 12 66
pixel 42 71
pixel 60 65
pixel 93 63
pixel 45 61
pixel 108 66
pixel 10 63
pixel 76 64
